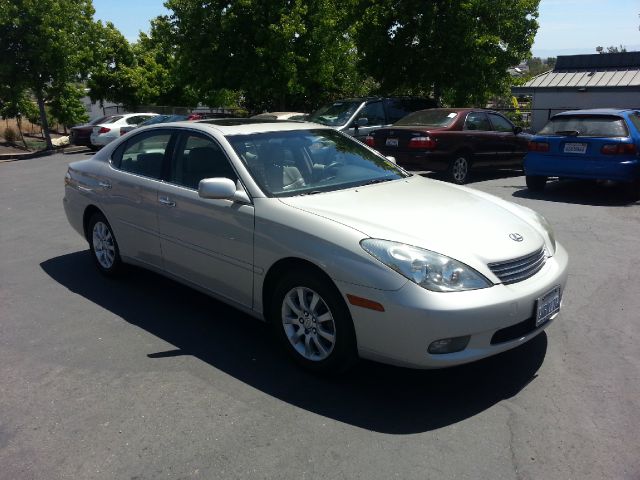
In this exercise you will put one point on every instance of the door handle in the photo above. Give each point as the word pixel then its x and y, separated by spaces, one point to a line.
pixel 105 185
pixel 166 201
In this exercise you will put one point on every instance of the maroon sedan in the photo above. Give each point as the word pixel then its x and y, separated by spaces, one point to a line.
pixel 452 140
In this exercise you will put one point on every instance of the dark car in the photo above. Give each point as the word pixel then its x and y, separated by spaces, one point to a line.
pixel 359 116
pixel 80 134
pixel 599 144
pixel 452 140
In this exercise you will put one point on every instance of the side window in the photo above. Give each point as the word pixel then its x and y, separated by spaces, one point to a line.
pixel 396 109
pixel 143 154
pixel 477 121
pixel 374 113
pixel 198 157
pixel 135 120
pixel 500 124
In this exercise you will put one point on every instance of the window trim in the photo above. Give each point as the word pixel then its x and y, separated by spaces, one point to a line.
pixel 116 155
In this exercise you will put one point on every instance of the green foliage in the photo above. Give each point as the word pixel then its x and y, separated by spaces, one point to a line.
pixel 611 49
pixel 15 103
pixel 282 54
pixel 65 105
pixel 44 43
pixel 459 50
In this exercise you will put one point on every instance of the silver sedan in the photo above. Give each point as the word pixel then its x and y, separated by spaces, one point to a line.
pixel 342 252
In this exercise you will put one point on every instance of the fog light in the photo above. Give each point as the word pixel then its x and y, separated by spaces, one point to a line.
pixel 449 345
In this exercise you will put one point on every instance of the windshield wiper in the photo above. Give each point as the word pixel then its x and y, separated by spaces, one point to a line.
pixel 312 192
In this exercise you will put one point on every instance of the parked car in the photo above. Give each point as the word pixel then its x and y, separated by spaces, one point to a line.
pixel 80 134
pixel 344 253
pixel 601 144
pixel 108 130
pixel 162 118
pixel 359 116
pixel 281 116
pixel 452 140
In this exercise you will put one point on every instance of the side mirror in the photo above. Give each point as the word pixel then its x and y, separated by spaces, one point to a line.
pixel 221 189
pixel 362 121
pixel 517 130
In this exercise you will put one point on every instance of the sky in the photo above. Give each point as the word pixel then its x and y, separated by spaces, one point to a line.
pixel 567 27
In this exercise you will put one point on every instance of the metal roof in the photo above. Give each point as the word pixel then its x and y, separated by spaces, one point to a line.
pixel 611 71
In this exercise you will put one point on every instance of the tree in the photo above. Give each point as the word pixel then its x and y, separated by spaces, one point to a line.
pixel 44 42
pixel 280 54
pixel 15 103
pixel 65 105
pixel 457 50
pixel 611 49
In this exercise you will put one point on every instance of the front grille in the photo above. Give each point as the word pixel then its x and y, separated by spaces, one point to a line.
pixel 519 269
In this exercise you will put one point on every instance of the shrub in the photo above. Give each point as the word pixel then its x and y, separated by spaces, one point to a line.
pixel 10 135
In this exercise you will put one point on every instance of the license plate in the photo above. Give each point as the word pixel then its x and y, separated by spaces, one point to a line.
pixel 575 148
pixel 547 306
pixel 391 142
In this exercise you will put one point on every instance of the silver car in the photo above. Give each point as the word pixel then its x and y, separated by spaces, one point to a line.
pixel 342 252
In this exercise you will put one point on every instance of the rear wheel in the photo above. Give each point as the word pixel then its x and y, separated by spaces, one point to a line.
pixel 536 183
pixel 459 169
pixel 312 322
pixel 103 245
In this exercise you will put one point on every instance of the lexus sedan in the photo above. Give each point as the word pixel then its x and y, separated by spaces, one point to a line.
pixel 345 254
pixel 453 141
pixel 598 144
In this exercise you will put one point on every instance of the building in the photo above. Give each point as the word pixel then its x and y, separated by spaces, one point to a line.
pixel 584 81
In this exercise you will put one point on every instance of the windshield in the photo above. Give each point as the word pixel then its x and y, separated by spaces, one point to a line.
pixel 304 162
pixel 586 126
pixel 429 118
pixel 335 114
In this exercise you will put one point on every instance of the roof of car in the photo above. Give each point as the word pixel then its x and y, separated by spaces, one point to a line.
pixel 596 111
pixel 244 126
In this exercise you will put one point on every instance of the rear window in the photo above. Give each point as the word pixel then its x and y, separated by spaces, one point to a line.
pixel 586 126
pixel 430 118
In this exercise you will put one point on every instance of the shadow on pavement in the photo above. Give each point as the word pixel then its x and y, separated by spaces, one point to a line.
pixel 580 192
pixel 371 396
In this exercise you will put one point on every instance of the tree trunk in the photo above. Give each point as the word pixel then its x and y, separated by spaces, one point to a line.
pixel 19 125
pixel 43 119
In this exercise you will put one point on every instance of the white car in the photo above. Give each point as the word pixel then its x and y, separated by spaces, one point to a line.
pixel 107 131
pixel 344 253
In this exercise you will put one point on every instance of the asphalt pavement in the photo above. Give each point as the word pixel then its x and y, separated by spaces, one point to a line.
pixel 142 378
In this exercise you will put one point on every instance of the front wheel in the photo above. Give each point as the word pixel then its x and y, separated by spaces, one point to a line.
pixel 459 169
pixel 536 183
pixel 103 245
pixel 312 322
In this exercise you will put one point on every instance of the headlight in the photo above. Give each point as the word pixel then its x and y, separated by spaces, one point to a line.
pixel 428 269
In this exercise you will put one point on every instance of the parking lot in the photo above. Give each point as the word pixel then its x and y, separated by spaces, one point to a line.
pixel 143 378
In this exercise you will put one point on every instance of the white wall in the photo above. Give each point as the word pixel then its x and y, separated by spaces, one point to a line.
pixel 94 110
pixel 561 101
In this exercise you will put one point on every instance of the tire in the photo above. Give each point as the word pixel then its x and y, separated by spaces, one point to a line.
pixel 312 322
pixel 103 245
pixel 631 190
pixel 536 183
pixel 459 169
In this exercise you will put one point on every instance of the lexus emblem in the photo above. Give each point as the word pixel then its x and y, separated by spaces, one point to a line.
pixel 516 237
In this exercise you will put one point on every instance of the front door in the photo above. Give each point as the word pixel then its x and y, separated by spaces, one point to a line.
pixel 206 242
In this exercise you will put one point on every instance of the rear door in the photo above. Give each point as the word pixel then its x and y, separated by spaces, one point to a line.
pixel 130 194
pixel 480 137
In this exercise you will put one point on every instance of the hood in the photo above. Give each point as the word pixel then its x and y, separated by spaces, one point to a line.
pixel 469 226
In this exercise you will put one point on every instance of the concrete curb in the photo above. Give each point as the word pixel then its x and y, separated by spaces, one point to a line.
pixel 12 157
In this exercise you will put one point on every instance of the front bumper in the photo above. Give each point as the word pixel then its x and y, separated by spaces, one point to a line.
pixel 414 318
